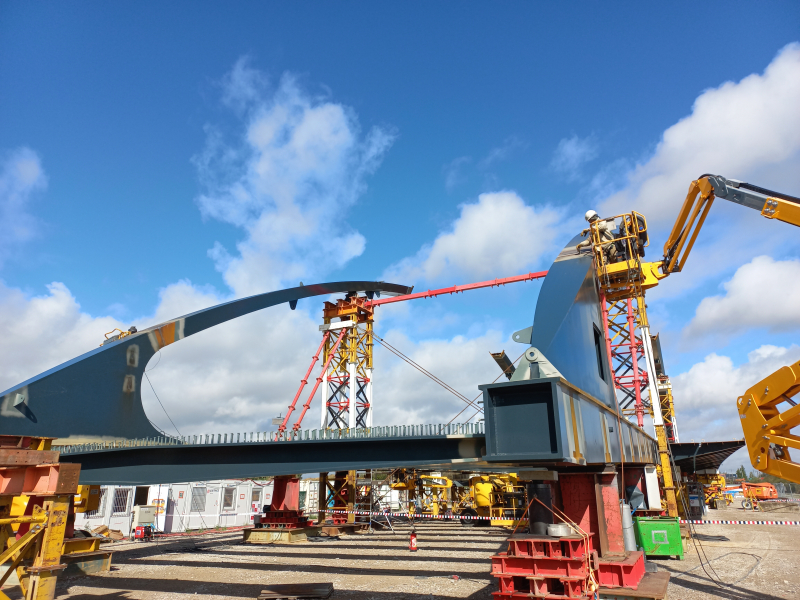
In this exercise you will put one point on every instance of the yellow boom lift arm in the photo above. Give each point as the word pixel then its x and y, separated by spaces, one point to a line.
pixel 767 410
pixel 702 191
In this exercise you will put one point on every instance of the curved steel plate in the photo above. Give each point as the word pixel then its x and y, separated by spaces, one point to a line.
pixel 567 320
pixel 98 395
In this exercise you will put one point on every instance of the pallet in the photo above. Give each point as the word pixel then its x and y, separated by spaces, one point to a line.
pixel 293 591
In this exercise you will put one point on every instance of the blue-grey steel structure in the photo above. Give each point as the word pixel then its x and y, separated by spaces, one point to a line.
pixel 559 410
pixel 97 396
pixel 568 326
pixel 454 446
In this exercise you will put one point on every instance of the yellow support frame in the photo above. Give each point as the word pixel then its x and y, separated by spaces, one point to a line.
pixel 767 429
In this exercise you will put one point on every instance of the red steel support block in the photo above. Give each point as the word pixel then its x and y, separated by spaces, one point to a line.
pixel 281 519
pixel 540 587
pixel 554 568
pixel 285 493
pixel 611 513
pixel 542 567
pixel 624 573
pixel 580 503
pixel 40 480
pixel 541 546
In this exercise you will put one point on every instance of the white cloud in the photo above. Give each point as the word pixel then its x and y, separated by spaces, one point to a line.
pixel 705 395
pixel 762 293
pixel 453 174
pixel 21 175
pixel 572 153
pixel 500 153
pixel 301 161
pixel 40 332
pixel 748 130
pixel 497 236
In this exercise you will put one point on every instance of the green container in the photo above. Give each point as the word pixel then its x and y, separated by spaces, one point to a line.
pixel 658 536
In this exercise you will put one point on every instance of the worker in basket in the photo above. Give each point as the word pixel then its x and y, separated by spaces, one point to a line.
pixel 605 228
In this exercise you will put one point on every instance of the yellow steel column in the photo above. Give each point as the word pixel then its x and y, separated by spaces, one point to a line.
pixel 47 564
pixel 666 471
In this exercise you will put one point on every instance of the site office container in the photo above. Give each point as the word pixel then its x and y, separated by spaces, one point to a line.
pixel 190 506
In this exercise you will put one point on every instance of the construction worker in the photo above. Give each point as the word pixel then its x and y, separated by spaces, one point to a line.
pixel 605 229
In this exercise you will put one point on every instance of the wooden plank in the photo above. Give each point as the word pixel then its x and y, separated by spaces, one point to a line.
pixel 297 590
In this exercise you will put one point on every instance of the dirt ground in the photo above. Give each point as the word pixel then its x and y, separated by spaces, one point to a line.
pixel 753 562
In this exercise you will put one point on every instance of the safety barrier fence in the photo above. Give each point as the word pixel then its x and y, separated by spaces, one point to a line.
pixel 720 522
pixel 409 515
pixel 260 437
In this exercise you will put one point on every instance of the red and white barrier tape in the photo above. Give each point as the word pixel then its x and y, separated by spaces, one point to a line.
pixel 740 522
pixel 376 513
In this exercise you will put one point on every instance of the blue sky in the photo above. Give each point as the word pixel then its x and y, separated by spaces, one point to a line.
pixel 133 113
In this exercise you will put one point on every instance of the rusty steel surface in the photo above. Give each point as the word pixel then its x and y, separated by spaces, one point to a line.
pixel 97 396
pixel 18 457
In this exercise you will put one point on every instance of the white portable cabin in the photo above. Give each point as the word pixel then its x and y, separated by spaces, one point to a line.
pixel 190 506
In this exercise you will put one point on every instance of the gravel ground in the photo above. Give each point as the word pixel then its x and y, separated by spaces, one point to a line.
pixel 754 562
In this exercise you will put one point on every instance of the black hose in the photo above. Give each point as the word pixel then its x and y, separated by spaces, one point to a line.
pixel 766 192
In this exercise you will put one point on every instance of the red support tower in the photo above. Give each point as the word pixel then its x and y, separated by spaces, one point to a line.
pixel 626 355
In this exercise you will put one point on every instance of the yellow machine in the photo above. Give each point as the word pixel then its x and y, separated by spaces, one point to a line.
pixel 426 494
pixel 499 497
pixel 714 486
pixel 767 412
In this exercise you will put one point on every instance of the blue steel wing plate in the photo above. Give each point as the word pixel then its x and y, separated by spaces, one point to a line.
pixel 97 395
pixel 567 319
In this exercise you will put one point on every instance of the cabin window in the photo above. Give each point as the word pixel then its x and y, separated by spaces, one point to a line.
pixel 121 499
pixel 142 493
pixel 228 498
pixel 198 499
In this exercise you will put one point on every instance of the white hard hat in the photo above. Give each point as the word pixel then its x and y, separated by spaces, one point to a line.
pixel 590 215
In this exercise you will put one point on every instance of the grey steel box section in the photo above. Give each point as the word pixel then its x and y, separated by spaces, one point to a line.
pixel 549 420
pixel 523 420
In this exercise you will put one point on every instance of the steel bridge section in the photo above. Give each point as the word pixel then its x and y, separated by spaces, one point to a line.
pixel 540 423
pixel 170 464
pixel 569 422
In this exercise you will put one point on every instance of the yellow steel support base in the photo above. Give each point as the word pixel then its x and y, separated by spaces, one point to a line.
pixel 270 536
